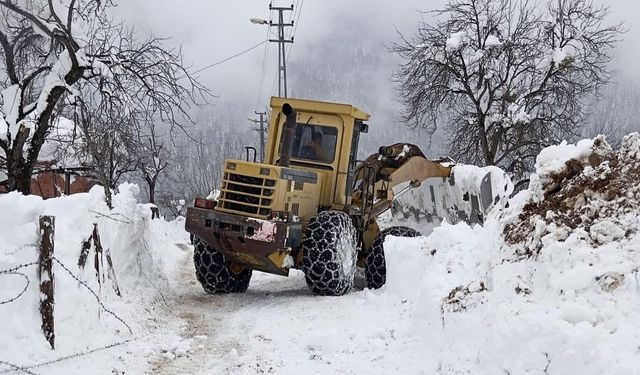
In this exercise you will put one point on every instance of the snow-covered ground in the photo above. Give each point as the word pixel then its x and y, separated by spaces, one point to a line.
pixel 548 285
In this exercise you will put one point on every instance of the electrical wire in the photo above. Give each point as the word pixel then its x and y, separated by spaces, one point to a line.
pixel 229 58
pixel 295 28
pixel 264 66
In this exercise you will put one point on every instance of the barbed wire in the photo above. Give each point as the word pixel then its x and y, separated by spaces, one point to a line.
pixel 15 368
pixel 26 285
pixel 13 271
pixel 64 358
pixel 99 214
pixel 94 294
pixel 27 369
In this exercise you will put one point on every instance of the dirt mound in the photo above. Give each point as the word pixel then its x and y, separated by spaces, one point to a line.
pixel 596 193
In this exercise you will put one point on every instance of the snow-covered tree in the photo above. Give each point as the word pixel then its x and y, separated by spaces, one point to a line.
pixel 505 78
pixel 109 144
pixel 153 157
pixel 56 54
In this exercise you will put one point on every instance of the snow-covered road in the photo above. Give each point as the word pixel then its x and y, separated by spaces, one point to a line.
pixel 277 327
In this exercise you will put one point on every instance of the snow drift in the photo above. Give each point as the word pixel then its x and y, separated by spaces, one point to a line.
pixel 81 323
pixel 548 285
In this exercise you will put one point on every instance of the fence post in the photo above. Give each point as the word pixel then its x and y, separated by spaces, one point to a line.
pixel 45 260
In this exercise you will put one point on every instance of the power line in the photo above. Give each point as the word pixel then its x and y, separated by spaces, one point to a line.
pixel 264 67
pixel 295 27
pixel 229 58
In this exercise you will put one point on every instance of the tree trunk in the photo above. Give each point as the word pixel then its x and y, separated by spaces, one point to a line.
pixel 484 143
pixel 18 179
pixel 107 191
pixel 23 182
pixel 18 169
pixel 152 191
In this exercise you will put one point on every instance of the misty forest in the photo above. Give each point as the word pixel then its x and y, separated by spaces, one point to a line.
pixel 173 135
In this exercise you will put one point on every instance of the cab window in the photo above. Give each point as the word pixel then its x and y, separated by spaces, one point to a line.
pixel 314 142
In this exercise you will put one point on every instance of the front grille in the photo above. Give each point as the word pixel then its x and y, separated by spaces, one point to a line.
pixel 249 194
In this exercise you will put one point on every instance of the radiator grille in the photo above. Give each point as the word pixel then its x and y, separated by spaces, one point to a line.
pixel 249 194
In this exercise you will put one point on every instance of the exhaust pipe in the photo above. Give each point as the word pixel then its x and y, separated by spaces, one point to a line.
pixel 287 135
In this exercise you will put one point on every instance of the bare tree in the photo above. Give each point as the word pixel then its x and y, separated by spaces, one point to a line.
pixel 154 157
pixel 111 151
pixel 505 78
pixel 56 50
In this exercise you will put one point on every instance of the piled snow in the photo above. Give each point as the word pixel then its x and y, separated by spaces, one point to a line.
pixel 455 41
pixel 136 244
pixel 9 114
pixel 62 145
pixel 549 285
pixel 492 41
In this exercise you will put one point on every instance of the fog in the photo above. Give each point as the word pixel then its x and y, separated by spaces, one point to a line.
pixel 340 51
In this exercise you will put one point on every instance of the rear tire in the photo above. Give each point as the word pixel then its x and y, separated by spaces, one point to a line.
pixel 214 273
pixel 375 270
pixel 330 251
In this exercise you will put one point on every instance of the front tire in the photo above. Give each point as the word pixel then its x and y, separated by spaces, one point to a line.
pixel 214 273
pixel 330 251
pixel 375 270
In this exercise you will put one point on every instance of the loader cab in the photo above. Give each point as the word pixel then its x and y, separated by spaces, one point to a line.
pixel 325 142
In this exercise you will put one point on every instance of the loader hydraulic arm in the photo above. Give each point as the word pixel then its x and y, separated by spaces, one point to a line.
pixel 393 165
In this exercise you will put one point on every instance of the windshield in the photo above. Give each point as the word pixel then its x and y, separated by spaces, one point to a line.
pixel 314 142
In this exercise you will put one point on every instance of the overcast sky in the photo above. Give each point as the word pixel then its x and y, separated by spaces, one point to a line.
pixel 209 31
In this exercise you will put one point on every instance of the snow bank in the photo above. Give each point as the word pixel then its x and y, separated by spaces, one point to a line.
pixel 134 241
pixel 548 285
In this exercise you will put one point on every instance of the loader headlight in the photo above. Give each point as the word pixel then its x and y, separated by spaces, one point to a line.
pixel 205 203
pixel 231 166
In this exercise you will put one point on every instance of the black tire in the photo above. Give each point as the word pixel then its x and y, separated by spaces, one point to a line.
pixel 375 271
pixel 330 252
pixel 213 271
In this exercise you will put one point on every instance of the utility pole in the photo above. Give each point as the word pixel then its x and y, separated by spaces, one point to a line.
pixel 262 130
pixel 282 64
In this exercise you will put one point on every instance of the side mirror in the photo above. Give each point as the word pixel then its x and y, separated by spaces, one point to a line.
pixel 364 128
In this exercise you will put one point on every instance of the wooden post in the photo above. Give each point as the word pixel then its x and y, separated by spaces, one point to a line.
pixel 98 253
pixel 155 213
pixel 67 183
pixel 45 261
pixel 111 274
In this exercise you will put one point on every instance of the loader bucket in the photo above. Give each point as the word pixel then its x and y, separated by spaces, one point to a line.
pixel 467 194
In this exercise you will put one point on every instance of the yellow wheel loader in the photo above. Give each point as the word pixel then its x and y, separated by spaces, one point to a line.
pixel 312 205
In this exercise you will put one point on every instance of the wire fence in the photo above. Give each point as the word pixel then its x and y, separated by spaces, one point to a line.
pixel 14 271
pixel 93 293
pixel 27 369
pixel 12 367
